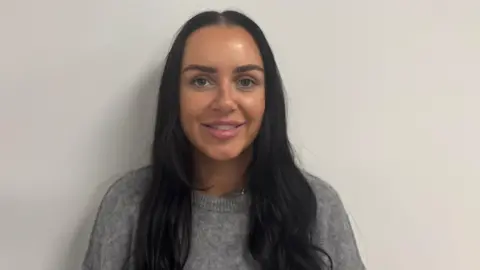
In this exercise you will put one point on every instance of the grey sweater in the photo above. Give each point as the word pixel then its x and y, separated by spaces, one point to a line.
pixel 219 229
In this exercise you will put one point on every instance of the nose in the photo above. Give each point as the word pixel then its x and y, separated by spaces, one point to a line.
pixel 225 97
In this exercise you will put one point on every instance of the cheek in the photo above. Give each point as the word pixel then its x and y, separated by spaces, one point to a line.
pixel 257 105
pixel 190 108
pixel 255 109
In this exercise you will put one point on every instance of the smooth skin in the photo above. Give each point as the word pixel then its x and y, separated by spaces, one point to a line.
pixel 222 80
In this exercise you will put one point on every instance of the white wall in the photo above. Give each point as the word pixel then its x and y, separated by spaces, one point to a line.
pixel 383 99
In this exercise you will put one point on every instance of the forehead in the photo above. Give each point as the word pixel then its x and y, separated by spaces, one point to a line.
pixel 221 46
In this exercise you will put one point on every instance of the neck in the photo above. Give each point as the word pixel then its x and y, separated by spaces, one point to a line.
pixel 221 177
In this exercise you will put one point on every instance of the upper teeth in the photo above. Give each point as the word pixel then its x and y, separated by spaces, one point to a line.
pixel 223 127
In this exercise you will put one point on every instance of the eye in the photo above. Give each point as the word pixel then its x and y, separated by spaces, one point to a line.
pixel 200 82
pixel 245 83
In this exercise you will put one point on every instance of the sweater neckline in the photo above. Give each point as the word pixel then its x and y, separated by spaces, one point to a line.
pixel 237 203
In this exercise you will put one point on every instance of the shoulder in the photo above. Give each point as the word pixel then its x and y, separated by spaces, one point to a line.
pixel 115 221
pixel 327 196
pixel 333 230
pixel 122 200
pixel 127 190
pixel 331 212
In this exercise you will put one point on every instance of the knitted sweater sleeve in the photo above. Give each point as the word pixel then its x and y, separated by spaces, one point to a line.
pixel 334 232
pixel 113 231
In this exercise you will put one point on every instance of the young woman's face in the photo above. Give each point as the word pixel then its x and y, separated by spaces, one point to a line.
pixel 222 91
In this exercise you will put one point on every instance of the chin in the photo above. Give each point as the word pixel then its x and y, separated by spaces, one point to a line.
pixel 222 155
pixel 222 152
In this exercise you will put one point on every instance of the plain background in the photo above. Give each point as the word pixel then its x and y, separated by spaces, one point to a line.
pixel 383 100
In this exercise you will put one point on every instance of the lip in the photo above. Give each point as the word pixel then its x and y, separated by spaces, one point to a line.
pixel 223 134
pixel 226 123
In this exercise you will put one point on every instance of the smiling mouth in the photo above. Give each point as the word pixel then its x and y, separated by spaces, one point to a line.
pixel 224 126
pixel 224 131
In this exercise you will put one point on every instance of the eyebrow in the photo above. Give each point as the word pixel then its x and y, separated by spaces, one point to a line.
pixel 207 69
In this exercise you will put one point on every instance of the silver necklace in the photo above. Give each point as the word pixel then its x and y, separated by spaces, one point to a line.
pixel 240 192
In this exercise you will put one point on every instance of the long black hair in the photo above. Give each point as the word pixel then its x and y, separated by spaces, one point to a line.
pixel 283 205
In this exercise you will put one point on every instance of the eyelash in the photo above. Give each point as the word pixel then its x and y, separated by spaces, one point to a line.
pixel 195 80
pixel 252 81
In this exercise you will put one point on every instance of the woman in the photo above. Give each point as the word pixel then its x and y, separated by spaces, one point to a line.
pixel 223 190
